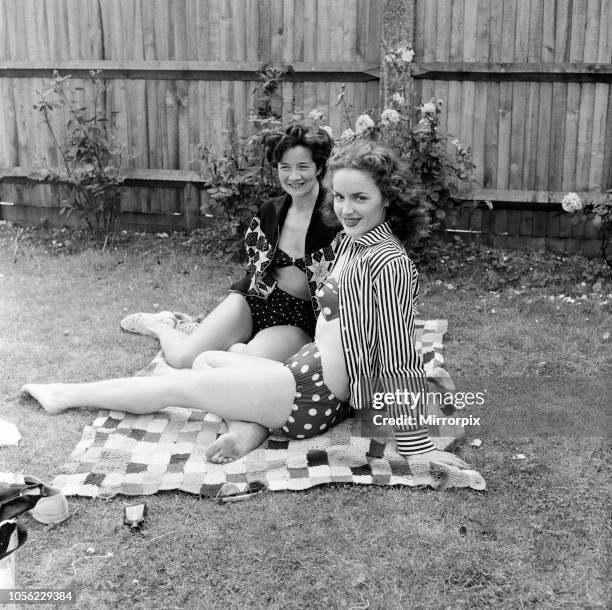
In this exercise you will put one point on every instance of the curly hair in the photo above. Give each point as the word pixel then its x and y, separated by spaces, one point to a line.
pixel 407 212
pixel 308 135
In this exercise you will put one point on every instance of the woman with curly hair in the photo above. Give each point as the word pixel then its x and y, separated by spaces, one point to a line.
pixel 271 311
pixel 364 338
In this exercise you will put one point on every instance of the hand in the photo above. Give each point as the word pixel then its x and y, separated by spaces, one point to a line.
pixel 446 468
pixel 439 457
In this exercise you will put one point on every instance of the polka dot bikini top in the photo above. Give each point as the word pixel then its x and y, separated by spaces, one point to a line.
pixel 327 296
pixel 282 259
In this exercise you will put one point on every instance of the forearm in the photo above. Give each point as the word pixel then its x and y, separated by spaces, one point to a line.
pixel 406 406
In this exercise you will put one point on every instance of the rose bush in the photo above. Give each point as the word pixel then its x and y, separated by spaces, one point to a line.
pixel 598 212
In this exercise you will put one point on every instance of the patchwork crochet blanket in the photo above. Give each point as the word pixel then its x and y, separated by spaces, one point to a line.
pixel 142 454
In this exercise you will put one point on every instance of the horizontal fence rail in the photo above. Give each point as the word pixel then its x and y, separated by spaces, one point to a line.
pixel 189 70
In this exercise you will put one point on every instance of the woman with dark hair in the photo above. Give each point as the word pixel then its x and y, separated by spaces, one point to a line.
pixel 364 338
pixel 271 311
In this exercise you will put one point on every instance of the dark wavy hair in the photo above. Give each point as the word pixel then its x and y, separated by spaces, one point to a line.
pixel 310 136
pixel 407 212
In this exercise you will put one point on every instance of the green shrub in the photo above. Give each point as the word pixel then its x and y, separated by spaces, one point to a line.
pixel 90 156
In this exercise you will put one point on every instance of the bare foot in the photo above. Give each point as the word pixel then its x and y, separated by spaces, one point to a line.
pixel 240 438
pixel 49 395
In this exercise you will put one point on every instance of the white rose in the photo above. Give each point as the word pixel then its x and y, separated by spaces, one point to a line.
pixel 429 108
pixel 408 55
pixel 389 116
pixel 363 123
pixel 456 143
pixel 398 98
pixel 571 202
pixel 316 115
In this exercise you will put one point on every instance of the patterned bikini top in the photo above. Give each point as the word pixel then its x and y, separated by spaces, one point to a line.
pixel 282 259
pixel 327 296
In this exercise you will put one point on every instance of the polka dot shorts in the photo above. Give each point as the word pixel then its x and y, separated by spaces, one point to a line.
pixel 315 408
pixel 279 309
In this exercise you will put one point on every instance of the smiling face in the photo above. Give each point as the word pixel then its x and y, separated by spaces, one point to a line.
pixel 358 202
pixel 297 171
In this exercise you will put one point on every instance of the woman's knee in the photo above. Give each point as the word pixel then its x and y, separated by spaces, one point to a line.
pixel 200 362
pixel 238 348
pixel 179 357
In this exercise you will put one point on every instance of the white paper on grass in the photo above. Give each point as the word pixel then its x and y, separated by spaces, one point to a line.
pixel 9 434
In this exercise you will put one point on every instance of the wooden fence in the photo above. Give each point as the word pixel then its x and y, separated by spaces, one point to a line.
pixel 182 73
pixel 526 84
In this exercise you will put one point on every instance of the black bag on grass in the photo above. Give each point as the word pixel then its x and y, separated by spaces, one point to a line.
pixel 14 501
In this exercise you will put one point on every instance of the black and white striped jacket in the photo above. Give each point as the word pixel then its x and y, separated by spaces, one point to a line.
pixel 377 291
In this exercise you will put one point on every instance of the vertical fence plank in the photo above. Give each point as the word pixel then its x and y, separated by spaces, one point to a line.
pixel 576 52
pixel 601 114
pixel 578 30
pixel 28 10
pixel 429 48
pixel 532 105
pixel 241 102
pixel 429 32
pixel 587 100
pixel 519 95
pixel 559 96
pixel 571 135
pixel 517 137
pixel 349 45
pixel 607 164
pixel 453 120
pixel 419 29
pixel 276 31
pixel 339 22
pixel 252 41
pixel 265 30
pixel 442 53
pixel 297 25
pixel 4 53
pixel 536 34
pixel 322 30
pixel 289 32
pixel 544 132
pixel 470 22
pixel 546 99
pixel 491 154
pixel 483 24
pixel 548 31
pixel 505 97
pixel 532 118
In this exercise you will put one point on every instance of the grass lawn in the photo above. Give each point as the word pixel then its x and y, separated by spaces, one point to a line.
pixel 536 538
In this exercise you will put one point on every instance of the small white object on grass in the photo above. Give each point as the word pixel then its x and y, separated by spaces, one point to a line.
pixel 476 443
pixel 519 456
pixel 9 434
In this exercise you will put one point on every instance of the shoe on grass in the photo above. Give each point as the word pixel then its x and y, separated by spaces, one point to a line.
pixel 138 322
pixel 52 507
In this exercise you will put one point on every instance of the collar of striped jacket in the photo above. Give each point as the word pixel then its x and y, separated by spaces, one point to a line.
pixel 379 233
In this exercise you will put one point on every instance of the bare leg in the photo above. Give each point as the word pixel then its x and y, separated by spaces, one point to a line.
pixel 262 393
pixel 230 322
pixel 276 343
